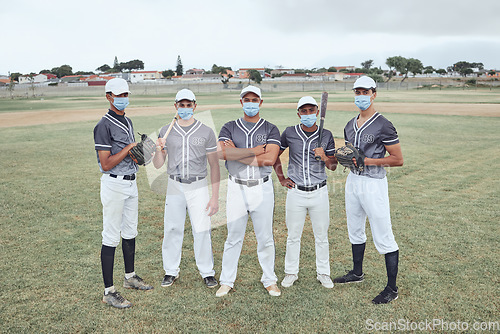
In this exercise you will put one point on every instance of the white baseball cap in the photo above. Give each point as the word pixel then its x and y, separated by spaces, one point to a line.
pixel 117 86
pixel 251 89
pixel 364 82
pixel 306 100
pixel 185 94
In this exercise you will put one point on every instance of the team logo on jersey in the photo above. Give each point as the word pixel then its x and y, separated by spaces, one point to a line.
pixel 261 138
pixel 198 141
pixel 368 138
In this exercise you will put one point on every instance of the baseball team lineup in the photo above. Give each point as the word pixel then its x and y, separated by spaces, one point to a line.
pixel 251 149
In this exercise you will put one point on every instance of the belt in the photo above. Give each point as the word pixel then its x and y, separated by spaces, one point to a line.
pixel 130 177
pixel 186 180
pixel 311 188
pixel 249 183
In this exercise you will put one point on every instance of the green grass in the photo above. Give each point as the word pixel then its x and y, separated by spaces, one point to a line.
pixel 445 213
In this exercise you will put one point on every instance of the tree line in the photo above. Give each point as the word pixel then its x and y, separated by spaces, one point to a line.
pixel 397 64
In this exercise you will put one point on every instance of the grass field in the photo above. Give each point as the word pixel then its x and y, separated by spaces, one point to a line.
pixel 445 213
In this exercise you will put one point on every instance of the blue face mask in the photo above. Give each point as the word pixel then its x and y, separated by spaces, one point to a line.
pixel 308 120
pixel 120 103
pixel 363 102
pixel 251 108
pixel 185 113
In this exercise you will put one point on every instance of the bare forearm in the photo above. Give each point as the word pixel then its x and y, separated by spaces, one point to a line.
pixel 109 161
pixel 278 168
pixel 233 153
pixel 389 161
pixel 159 159
pixel 215 181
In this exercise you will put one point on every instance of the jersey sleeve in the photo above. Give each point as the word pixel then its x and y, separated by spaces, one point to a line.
pixel 330 146
pixel 225 133
pixel 211 143
pixel 389 135
pixel 284 141
pixel 102 139
pixel 273 136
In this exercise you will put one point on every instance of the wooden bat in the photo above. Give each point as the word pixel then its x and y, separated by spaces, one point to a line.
pixel 170 127
pixel 322 113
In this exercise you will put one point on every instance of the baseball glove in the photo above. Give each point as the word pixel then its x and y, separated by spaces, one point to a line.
pixel 142 153
pixel 345 155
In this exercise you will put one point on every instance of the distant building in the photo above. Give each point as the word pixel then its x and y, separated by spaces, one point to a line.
pixel 347 68
pixel 195 71
pixel 243 73
pixel 38 78
pixel 282 71
pixel 138 76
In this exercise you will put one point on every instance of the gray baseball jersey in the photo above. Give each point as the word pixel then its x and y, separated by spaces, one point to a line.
pixel 371 138
pixel 187 149
pixel 111 134
pixel 247 136
pixel 303 169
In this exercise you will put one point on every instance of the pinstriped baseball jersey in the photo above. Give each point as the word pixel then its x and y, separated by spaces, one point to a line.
pixel 303 169
pixel 187 149
pixel 110 134
pixel 261 133
pixel 371 138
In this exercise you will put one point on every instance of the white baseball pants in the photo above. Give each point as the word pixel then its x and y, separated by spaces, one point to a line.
pixel 258 201
pixel 298 203
pixel 193 197
pixel 369 197
pixel 120 203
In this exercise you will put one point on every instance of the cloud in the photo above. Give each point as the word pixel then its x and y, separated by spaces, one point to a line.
pixel 41 35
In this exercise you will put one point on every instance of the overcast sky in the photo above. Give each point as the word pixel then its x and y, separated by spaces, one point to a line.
pixel 37 35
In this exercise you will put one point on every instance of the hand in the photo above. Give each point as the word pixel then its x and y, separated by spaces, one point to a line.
pixel 318 151
pixel 229 143
pixel 161 142
pixel 129 146
pixel 212 206
pixel 287 183
pixel 258 150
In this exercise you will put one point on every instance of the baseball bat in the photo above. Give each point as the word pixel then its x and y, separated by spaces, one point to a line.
pixel 170 127
pixel 322 112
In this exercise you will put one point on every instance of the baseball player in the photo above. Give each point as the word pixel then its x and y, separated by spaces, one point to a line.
pixel 366 192
pixel 307 190
pixel 114 137
pixel 188 146
pixel 250 146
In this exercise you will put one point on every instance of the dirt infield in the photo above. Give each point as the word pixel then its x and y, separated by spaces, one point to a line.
pixel 27 118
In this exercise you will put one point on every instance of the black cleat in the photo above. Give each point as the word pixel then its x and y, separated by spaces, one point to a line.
pixel 210 281
pixel 386 296
pixel 168 280
pixel 350 277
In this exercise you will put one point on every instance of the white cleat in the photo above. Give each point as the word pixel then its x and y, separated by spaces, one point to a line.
pixel 325 280
pixel 223 290
pixel 289 280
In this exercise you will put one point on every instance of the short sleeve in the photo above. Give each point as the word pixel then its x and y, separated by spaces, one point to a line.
pixel 389 135
pixel 211 143
pixel 330 146
pixel 102 139
pixel 225 133
pixel 273 136
pixel 284 141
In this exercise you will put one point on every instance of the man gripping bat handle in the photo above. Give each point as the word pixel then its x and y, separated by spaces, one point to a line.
pixel 324 101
